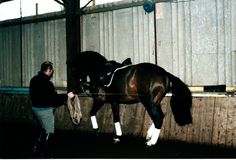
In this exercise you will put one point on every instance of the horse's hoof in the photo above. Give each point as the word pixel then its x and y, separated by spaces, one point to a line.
pixel 149 144
pixel 116 140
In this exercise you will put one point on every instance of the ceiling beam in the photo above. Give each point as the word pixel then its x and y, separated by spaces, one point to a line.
pixel 2 1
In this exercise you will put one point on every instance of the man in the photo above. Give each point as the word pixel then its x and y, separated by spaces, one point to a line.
pixel 44 99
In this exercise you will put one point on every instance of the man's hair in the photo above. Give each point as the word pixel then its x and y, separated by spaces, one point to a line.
pixel 46 65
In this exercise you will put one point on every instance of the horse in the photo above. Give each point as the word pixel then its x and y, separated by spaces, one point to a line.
pixel 92 65
pixel 133 83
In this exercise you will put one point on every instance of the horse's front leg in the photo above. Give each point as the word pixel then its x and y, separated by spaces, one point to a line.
pixel 116 120
pixel 97 104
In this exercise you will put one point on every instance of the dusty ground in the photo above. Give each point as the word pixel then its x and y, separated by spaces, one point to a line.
pixel 16 141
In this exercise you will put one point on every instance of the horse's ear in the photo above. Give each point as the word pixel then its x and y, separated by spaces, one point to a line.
pixel 127 61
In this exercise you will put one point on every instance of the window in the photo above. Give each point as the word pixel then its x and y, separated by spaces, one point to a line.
pixel 22 8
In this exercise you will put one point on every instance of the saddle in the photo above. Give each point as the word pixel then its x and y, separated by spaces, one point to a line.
pixel 111 67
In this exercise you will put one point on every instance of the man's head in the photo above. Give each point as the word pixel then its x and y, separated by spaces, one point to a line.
pixel 47 68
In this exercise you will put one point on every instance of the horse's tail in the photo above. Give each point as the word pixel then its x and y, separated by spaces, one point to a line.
pixel 181 101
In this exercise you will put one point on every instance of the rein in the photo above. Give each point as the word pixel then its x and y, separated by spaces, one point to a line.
pixel 107 85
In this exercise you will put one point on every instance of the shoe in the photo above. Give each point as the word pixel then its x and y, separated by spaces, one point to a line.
pixel 42 146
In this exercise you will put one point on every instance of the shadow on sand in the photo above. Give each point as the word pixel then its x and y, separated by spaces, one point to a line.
pixel 16 141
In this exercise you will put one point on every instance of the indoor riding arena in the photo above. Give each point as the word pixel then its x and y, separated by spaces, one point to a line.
pixel 195 40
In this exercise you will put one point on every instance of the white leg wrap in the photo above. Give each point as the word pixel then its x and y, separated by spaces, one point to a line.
pixel 94 122
pixel 118 129
pixel 154 137
pixel 150 131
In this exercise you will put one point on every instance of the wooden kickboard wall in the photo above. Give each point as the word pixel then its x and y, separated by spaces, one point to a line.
pixel 214 118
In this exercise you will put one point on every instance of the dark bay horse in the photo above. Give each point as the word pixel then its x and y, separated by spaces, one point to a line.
pixel 93 65
pixel 144 82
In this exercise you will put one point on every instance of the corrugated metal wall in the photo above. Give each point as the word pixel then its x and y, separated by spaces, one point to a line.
pixel 195 40
pixel 40 41
pixel 44 41
pixel 120 34
pixel 10 59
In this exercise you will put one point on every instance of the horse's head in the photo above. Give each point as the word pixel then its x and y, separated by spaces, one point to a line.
pixel 85 64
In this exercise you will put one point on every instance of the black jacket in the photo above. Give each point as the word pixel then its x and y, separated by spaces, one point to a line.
pixel 43 94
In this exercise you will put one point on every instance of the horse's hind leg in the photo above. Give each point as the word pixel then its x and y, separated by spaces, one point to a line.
pixel 116 119
pixel 152 103
pixel 157 117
